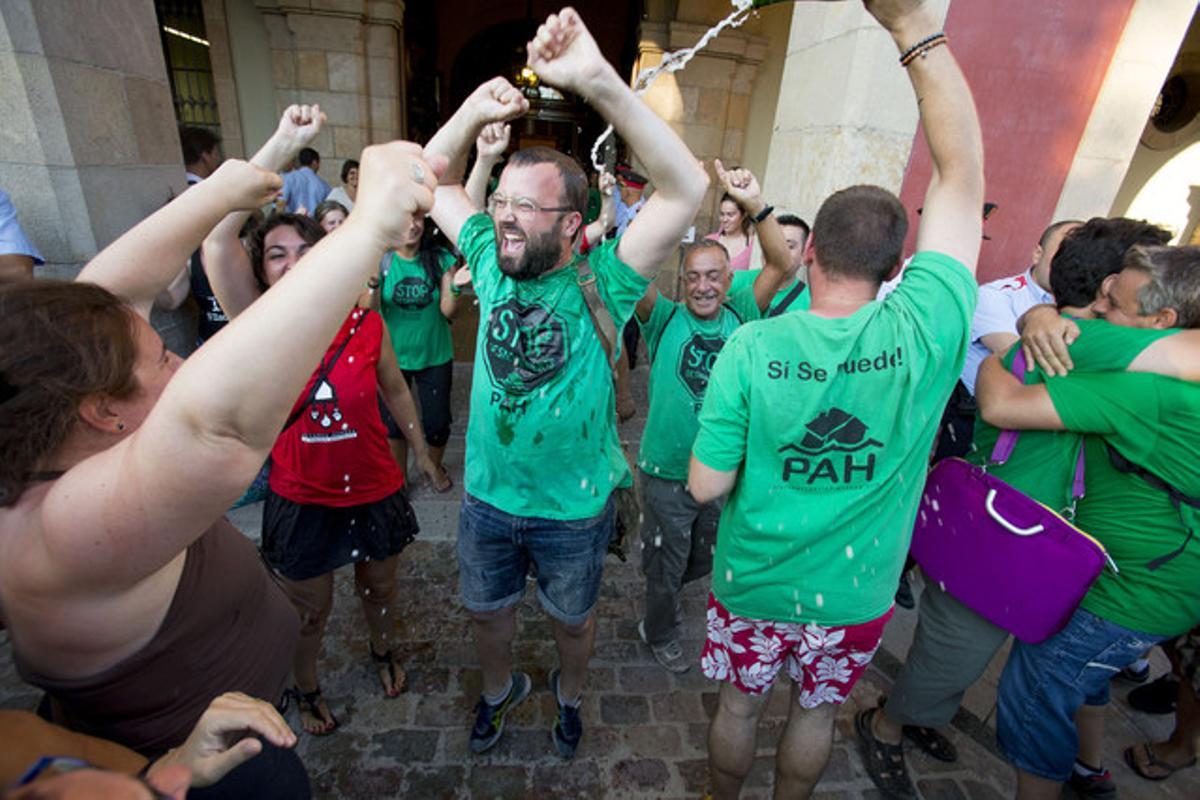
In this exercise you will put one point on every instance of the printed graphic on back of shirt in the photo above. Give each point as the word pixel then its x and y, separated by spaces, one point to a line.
pixel 836 450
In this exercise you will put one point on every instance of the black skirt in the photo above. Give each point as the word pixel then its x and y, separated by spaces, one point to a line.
pixel 303 541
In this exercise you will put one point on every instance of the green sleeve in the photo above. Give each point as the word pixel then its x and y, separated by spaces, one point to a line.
pixel 1102 346
pixel 621 286
pixel 1109 403
pixel 477 243
pixel 938 294
pixel 743 278
pixel 446 260
pixel 725 415
pixel 744 304
pixel 652 329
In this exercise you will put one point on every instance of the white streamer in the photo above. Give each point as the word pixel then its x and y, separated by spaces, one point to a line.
pixel 673 62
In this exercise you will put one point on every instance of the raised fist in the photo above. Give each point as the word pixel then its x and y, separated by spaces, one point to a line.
pixel 394 183
pixel 299 125
pixel 892 14
pixel 564 54
pixel 497 101
pixel 493 140
pixel 245 187
pixel 741 184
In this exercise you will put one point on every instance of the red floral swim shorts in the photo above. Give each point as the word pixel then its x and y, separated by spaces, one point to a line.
pixel 824 663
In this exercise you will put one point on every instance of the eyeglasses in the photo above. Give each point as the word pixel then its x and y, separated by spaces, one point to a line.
pixel 521 206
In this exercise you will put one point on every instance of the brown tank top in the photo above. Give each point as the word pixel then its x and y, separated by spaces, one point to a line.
pixel 229 628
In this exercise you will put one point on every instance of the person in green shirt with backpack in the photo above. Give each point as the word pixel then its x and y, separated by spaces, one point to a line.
pixel 683 338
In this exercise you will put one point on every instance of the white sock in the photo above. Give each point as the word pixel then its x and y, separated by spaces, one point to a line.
pixel 573 703
pixel 1086 770
pixel 1139 665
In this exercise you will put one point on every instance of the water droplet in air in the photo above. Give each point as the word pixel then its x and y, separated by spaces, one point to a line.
pixel 658 541
pixel 729 576
pixel 849 551
pixel 820 600
pixel 936 507
pixel 583 484
pixel 346 476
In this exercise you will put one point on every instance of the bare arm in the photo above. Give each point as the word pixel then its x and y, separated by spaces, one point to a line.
pixel 489 149
pixel 173 296
pixel 743 187
pixel 608 209
pixel 145 261
pixel 226 261
pixel 645 306
pixel 495 101
pixel 1007 403
pixel 400 403
pixel 707 484
pixel 140 502
pixel 564 54
pixel 448 302
pixel 951 222
pixel 15 267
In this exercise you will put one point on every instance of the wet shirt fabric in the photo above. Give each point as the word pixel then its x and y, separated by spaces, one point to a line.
pixel 411 306
pixel 785 300
pixel 830 422
pixel 542 438
pixel 336 453
pixel 1154 422
pixel 1042 465
pixel 682 351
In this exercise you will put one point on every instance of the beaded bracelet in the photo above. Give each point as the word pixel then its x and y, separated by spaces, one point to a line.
pixel 922 47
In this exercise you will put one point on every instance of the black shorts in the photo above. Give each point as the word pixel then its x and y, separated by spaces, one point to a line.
pixel 302 541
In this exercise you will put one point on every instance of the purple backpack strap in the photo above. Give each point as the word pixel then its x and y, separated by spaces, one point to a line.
pixel 1008 439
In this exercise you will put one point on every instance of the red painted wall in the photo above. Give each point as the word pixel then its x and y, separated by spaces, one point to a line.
pixel 1035 68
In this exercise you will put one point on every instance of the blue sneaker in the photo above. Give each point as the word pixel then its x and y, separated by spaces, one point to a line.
pixel 568 728
pixel 489 719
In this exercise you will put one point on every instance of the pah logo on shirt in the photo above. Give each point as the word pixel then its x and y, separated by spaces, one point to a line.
pixel 695 362
pixel 835 451
pixel 412 294
pixel 524 346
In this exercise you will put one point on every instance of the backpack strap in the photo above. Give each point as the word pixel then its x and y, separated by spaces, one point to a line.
pixel 787 300
pixel 1178 498
pixel 602 320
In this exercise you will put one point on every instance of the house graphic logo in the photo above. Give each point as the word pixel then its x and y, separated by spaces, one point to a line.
pixel 836 450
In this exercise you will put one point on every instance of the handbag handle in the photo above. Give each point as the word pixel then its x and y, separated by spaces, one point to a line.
pixel 990 505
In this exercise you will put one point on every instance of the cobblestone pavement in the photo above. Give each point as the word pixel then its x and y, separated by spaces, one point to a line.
pixel 644 734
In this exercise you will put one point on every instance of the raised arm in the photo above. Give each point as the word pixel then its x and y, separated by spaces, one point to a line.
pixel 140 265
pixel 494 101
pixel 596 229
pixel 490 145
pixel 743 187
pixel 225 259
pixel 216 420
pixel 564 54
pixel 951 222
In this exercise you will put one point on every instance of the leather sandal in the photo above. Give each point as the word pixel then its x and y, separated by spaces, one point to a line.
pixel 1163 770
pixel 884 762
pixel 932 742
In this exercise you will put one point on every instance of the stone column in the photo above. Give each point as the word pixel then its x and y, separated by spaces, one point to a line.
pixel 845 112
pixel 346 56
pixel 88 144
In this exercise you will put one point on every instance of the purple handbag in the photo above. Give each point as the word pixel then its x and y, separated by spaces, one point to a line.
pixel 1004 555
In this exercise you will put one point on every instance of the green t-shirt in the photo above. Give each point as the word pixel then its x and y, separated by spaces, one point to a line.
pixel 542 437
pixel 830 422
pixel 1042 465
pixel 682 350
pixel 744 279
pixel 1155 423
pixel 410 305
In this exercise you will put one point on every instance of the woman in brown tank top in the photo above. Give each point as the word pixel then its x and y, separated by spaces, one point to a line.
pixel 119 461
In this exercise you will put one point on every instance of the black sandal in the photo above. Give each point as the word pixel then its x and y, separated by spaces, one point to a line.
pixel 309 703
pixel 932 742
pixel 884 762
pixel 399 681
pixel 1152 762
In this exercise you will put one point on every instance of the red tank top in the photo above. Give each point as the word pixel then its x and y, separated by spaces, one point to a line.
pixel 336 452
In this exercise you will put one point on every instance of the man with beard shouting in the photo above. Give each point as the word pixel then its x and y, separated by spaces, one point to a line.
pixel 543 457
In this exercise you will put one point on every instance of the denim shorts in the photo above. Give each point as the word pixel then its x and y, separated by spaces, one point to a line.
pixel 495 550
pixel 1044 684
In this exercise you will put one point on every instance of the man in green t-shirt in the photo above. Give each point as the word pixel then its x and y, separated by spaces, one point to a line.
pixel 952 645
pixel 683 339
pixel 819 426
pixel 1147 430
pixel 793 294
pixel 543 457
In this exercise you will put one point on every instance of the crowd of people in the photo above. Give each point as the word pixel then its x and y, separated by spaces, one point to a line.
pixel 791 423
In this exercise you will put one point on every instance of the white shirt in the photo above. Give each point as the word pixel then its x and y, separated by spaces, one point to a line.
pixel 1001 304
